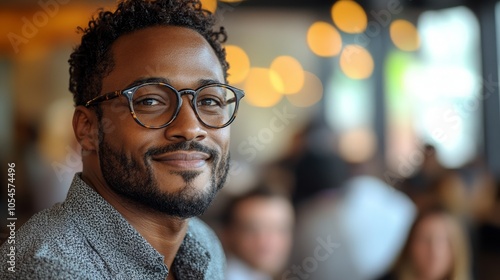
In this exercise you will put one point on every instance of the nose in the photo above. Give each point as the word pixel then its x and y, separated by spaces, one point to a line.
pixel 186 126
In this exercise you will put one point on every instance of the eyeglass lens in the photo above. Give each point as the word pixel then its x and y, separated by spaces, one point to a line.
pixel 156 104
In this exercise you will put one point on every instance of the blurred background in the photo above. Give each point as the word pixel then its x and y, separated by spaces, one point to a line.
pixel 365 116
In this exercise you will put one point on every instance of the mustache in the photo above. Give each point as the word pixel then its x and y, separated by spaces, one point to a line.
pixel 181 146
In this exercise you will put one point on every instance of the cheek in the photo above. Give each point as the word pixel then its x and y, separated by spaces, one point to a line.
pixel 244 242
pixel 116 114
pixel 221 137
pixel 419 252
pixel 119 109
pixel 444 254
pixel 123 134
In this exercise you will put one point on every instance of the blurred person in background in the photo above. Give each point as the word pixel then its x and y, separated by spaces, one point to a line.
pixel 488 243
pixel 467 192
pixel 422 186
pixel 436 249
pixel 310 165
pixel 257 234
pixel 474 196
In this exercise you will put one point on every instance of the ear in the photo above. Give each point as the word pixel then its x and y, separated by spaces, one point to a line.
pixel 86 127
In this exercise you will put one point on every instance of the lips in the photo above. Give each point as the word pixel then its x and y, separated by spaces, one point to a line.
pixel 183 160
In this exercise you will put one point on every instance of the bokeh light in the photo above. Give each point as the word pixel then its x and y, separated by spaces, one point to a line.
pixel 323 39
pixel 349 16
pixel 310 94
pixel 357 145
pixel 356 62
pixel 259 89
pixel 209 5
pixel 291 73
pixel 239 64
pixel 404 35
pixel 59 29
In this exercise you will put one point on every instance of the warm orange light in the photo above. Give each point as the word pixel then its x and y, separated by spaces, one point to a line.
pixel 310 94
pixel 323 39
pixel 239 64
pixel 291 73
pixel 209 5
pixel 259 90
pixel 404 35
pixel 356 62
pixel 349 16
pixel 28 28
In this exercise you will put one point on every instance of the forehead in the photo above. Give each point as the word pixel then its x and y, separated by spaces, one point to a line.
pixel 266 206
pixel 179 54
pixel 434 223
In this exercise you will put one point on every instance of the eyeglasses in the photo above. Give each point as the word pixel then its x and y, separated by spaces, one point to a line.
pixel 156 105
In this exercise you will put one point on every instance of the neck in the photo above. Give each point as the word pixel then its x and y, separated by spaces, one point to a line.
pixel 164 232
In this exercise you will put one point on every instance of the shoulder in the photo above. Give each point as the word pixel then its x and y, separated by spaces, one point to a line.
pixel 206 236
pixel 48 245
pixel 201 231
pixel 46 227
pixel 39 268
pixel 208 239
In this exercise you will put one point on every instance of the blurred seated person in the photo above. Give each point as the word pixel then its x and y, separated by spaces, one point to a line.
pixel 258 235
pixel 488 256
pixel 467 192
pixel 423 186
pixel 436 249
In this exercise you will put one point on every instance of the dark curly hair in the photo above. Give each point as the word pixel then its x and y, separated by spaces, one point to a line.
pixel 92 60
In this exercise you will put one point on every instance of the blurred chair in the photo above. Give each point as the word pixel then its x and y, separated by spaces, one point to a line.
pixel 353 232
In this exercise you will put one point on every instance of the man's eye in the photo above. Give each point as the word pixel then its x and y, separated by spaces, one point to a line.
pixel 148 102
pixel 209 102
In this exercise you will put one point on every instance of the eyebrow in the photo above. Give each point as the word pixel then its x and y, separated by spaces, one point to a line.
pixel 204 82
pixel 148 80
pixel 201 82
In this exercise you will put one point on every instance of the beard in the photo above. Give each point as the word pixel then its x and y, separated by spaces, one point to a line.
pixel 135 181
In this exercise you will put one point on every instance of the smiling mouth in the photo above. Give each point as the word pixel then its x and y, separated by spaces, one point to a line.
pixel 183 160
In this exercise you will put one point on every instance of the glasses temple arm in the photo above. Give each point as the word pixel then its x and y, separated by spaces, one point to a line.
pixel 102 98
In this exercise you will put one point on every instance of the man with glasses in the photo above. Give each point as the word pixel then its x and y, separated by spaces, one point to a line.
pixel 152 115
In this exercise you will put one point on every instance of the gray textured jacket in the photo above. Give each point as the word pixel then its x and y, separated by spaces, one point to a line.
pixel 86 238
